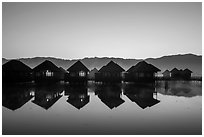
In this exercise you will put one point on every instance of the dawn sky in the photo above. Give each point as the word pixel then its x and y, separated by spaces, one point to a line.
pixel 78 30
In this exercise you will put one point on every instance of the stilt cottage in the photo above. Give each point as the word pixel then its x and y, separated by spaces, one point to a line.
pixel 181 74
pixel 91 75
pixel 141 72
pixel 175 73
pixel 77 73
pixel 64 73
pixel 16 71
pixel 166 74
pixel 112 72
pixel 186 74
pixel 47 72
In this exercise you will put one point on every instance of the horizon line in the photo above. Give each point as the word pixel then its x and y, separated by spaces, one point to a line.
pixel 100 57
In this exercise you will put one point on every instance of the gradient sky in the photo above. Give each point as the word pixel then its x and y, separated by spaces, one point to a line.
pixel 78 30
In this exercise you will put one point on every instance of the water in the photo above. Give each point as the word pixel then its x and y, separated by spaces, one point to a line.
pixel 167 108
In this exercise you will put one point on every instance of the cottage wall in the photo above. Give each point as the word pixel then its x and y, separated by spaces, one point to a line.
pixel 12 76
pixel 139 76
pixel 108 77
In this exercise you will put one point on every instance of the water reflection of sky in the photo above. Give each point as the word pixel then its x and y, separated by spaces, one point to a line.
pixel 174 114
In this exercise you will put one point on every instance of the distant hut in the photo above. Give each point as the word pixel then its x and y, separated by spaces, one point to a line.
pixel 16 71
pixel 77 73
pixel 186 74
pixel 91 75
pixel 47 72
pixel 175 73
pixel 112 72
pixel 141 72
pixel 64 73
pixel 166 74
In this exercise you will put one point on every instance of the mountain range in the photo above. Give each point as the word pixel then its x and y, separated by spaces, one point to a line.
pixel 190 61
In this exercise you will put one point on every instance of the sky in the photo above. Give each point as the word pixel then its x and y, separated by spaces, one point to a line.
pixel 79 30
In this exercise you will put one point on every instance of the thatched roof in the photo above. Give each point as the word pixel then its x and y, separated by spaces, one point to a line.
pixel 174 70
pixel 143 67
pixel 78 66
pixel 111 67
pixel 47 65
pixel 15 65
pixel 187 70
pixel 62 70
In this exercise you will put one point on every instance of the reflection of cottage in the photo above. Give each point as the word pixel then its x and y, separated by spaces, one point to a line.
pixel 16 71
pixel 181 74
pixel 47 72
pixel 112 72
pixel 110 95
pixel 47 95
pixel 77 96
pixel 166 74
pixel 141 72
pixel 15 96
pixel 77 73
pixel 91 75
pixel 143 96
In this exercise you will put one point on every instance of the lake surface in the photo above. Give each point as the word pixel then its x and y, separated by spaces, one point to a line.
pixel 168 107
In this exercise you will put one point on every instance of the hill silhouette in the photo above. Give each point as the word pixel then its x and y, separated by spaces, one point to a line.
pixel 190 61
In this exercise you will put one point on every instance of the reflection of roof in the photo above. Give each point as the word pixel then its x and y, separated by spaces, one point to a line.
pixel 15 65
pixel 78 102
pixel 78 66
pixel 15 100
pixel 143 103
pixel 15 96
pixel 14 104
pixel 111 67
pixel 143 67
pixel 112 102
pixel 46 104
pixel 47 65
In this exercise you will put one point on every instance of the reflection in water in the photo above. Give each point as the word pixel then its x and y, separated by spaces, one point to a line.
pixel 179 88
pixel 47 95
pixel 171 113
pixel 143 96
pixel 77 95
pixel 15 96
pixel 110 95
